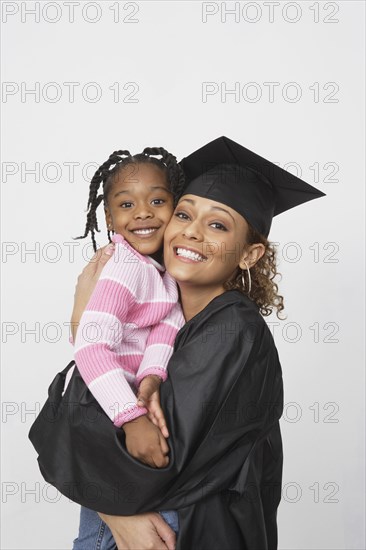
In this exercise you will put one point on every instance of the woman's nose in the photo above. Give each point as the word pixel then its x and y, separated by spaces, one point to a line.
pixel 192 231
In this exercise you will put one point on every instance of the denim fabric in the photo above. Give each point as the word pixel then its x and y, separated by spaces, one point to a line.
pixel 94 534
pixel 172 519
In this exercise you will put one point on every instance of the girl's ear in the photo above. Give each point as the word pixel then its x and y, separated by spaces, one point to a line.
pixel 252 254
pixel 108 218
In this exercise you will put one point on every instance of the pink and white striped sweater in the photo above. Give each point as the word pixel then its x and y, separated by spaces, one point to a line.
pixel 127 330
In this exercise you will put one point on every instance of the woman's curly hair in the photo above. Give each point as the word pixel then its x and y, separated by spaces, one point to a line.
pixel 264 291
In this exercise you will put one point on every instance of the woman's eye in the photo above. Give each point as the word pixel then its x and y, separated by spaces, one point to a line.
pixel 181 215
pixel 219 226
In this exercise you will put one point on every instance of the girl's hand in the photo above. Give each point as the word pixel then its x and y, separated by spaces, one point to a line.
pixel 86 283
pixel 145 442
pixel 148 396
pixel 140 532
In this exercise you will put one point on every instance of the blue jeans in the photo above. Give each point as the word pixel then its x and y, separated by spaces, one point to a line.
pixel 94 534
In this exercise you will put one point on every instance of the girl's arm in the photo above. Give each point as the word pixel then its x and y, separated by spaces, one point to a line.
pixel 104 326
pixel 143 530
pixel 143 440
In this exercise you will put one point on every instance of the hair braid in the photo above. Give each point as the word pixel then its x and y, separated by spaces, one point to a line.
pixel 175 172
pixel 101 175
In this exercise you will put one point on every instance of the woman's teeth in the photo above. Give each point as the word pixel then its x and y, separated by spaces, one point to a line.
pixel 190 255
pixel 144 231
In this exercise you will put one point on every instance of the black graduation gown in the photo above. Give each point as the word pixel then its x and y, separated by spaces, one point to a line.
pixel 222 400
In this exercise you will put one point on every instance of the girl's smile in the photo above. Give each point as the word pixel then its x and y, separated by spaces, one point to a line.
pixel 139 207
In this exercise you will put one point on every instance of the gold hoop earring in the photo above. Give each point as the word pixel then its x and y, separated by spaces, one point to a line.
pixel 249 277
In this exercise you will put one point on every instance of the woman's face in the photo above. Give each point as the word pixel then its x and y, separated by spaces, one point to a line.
pixel 204 242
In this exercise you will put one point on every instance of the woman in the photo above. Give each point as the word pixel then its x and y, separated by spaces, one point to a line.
pixel 223 397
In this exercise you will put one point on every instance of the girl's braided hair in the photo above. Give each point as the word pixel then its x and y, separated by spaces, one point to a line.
pixel 117 161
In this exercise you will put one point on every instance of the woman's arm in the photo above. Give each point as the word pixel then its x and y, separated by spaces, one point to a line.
pixel 210 423
pixel 140 532
pixel 86 283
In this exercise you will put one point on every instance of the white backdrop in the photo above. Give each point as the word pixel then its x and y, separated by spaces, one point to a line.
pixel 285 79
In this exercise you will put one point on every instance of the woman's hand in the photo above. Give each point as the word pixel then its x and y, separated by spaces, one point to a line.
pixel 148 396
pixel 86 283
pixel 140 532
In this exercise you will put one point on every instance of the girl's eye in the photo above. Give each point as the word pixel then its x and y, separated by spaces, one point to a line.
pixel 218 226
pixel 158 201
pixel 181 215
pixel 126 204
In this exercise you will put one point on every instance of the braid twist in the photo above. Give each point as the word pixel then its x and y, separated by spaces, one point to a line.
pixel 101 175
pixel 176 174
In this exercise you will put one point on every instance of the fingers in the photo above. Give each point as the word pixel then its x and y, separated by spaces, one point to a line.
pixel 156 414
pixel 138 532
pixel 143 394
pixel 149 461
pixel 160 419
pixel 147 387
pixel 158 422
pixel 164 531
pixel 141 401
pixel 103 255
pixel 118 540
pixel 162 426
pixel 164 445
pixel 152 418
pixel 164 430
pixel 159 456
pixel 95 265
pixel 170 539
pixel 159 459
pixel 107 251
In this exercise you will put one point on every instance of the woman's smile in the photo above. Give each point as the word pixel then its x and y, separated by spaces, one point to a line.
pixel 203 242
pixel 190 255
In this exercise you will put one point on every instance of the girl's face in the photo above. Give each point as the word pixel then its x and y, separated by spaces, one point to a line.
pixel 139 206
pixel 204 243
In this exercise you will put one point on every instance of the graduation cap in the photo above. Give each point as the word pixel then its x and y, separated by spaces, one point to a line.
pixel 256 188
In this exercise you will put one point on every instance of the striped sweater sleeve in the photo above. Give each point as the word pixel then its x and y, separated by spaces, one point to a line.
pixel 160 344
pixel 103 326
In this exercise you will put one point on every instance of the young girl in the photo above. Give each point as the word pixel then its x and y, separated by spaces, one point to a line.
pixel 129 326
